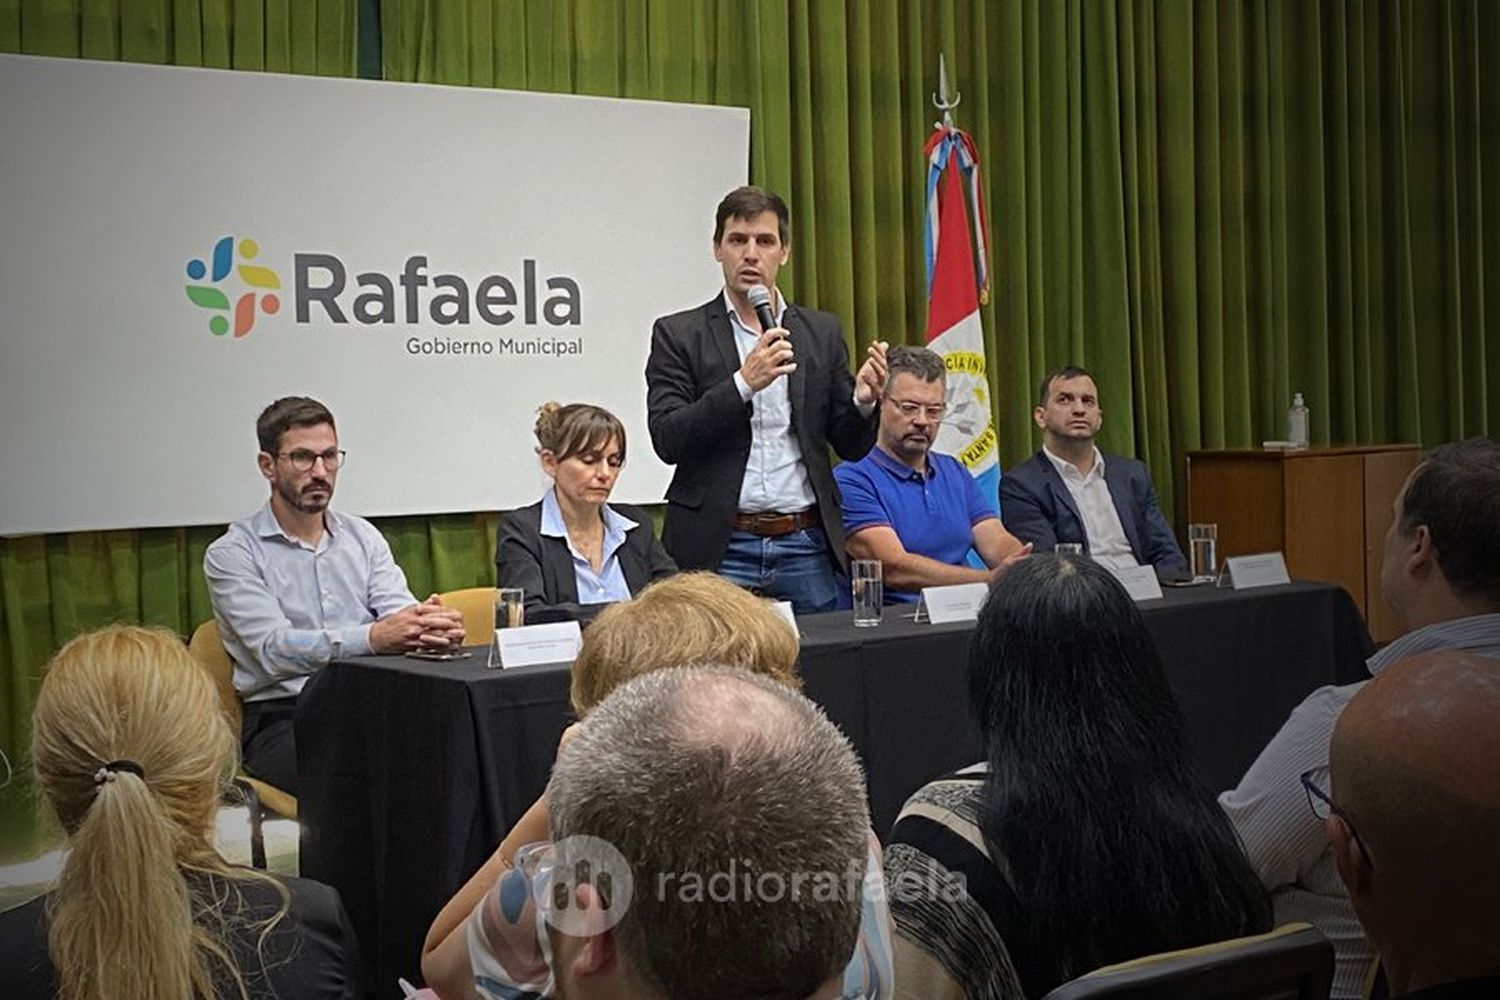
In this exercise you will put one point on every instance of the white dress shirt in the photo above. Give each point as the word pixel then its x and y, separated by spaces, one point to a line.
pixel 1108 544
pixel 1284 840
pixel 775 478
pixel 285 608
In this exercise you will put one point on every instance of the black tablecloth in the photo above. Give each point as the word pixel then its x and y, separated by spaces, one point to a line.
pixel 412 771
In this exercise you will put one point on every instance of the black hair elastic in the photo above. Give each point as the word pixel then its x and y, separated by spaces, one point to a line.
pixel 113 767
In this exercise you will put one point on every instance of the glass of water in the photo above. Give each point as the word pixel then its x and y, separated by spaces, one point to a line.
pixel 1203 543
pixel 510 612
pixel 1068 548
pixel 868 591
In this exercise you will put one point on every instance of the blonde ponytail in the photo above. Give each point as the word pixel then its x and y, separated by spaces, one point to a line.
pixel 123 922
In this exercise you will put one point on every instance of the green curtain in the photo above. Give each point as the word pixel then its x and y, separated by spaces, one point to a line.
pixel 1210 204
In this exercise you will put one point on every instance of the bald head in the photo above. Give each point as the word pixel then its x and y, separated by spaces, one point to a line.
pixel 1415 765
pixel 698 776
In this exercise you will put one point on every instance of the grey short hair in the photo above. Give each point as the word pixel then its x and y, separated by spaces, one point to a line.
pixel 709 771
pixel 925 363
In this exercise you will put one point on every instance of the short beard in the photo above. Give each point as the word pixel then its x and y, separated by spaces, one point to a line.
pixel 295 501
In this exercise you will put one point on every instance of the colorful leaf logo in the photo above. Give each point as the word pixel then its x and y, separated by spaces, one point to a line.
pixel 255 276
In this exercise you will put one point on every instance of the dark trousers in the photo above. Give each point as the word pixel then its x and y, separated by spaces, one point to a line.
pixel 268 746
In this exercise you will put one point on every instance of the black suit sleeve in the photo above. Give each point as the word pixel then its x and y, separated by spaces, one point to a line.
pixel 1161 544
pixel 660 562
pixel 683 424
pixel 1021 513
pixel 518 559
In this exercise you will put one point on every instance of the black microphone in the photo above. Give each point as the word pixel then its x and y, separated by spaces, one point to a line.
pixel 760 298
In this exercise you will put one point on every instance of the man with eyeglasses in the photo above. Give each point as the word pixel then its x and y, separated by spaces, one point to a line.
pixel 1071 492
pixel 917 511
pixel 1441 573
pixel 297 584
pixel 1413 765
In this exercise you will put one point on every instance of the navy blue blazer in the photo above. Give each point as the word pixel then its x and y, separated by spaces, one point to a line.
pixel 1037 508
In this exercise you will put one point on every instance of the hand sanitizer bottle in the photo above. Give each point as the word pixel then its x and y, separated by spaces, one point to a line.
pixel 1296 422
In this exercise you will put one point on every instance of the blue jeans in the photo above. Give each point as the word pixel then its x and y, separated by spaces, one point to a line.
pixel 793 567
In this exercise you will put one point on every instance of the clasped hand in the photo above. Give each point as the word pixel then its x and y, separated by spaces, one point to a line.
pixel 428 625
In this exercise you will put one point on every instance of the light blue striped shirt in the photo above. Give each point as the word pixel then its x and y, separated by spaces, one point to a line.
pixel 1285 842
pixel 608 584
pixel 286 608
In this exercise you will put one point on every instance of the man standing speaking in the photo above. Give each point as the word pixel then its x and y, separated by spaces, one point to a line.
pixel 745 402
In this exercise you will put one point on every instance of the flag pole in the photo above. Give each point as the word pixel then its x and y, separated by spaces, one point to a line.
pixel 940 100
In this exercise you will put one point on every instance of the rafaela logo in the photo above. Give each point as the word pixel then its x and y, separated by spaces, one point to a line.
pixel 262 282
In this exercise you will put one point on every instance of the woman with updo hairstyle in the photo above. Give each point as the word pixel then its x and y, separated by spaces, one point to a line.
pixel 573 551
pixel 132 754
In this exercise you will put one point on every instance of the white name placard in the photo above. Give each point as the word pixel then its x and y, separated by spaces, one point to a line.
pixel 784 609
pixel 1264 570
pixel 555 642
pixel 958 602
pixel 1140 582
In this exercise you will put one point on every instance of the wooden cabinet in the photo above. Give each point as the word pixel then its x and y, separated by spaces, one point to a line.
pixel 1326 508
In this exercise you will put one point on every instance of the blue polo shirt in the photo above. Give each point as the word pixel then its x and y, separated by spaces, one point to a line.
pixel 933 515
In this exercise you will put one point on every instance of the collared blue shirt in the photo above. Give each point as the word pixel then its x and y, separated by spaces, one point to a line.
pixel 608 584
pixel 933 515
pixel 285 608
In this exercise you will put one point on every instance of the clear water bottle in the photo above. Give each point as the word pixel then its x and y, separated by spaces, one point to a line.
pixel 1296 422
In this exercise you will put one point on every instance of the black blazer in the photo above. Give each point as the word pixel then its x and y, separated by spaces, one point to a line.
pixel 699 423
pixel 312 954
pixel 1037 507
pixel 543 566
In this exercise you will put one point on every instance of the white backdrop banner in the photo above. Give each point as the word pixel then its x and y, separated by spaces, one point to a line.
pixel 178 247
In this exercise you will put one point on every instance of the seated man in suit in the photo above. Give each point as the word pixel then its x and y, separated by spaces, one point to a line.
pixel 917 511
pixel 1070 492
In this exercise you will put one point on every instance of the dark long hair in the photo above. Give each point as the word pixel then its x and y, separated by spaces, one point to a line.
pixel 1114 847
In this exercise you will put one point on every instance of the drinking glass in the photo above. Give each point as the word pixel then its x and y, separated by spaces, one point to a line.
pixel 868 591
pixel 1068 548
pixel 510 607
pixel 1203 546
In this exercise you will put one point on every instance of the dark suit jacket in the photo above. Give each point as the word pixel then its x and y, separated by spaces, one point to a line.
pixel 699 423
pixel 1037 507
pixel 543 566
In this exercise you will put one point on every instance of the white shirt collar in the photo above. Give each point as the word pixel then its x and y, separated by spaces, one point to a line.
pixel 1066 468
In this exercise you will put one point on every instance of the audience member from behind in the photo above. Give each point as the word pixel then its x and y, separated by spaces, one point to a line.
pixel 696 778
pixel 131 753
pixel 297 584
pixel 1085 837
pixel 1415 822
pixel 682 621
pixel 1441 573
pixel 572 551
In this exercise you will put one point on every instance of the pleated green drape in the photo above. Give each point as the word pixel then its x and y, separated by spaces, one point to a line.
pixel 1210 204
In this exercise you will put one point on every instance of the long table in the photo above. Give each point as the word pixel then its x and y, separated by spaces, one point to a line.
pixel 412 771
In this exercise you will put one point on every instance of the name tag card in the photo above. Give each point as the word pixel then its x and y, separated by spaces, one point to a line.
pixel 1140 582
pixel 958 602
pixel 784 609
pixel 528 645
pixel 1264 570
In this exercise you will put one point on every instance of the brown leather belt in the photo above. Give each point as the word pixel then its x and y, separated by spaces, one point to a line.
pixel 770 524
